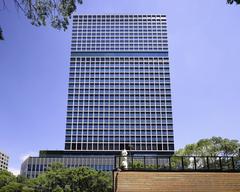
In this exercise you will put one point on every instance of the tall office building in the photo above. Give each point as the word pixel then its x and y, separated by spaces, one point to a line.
pixel 119 93
pixel 119 85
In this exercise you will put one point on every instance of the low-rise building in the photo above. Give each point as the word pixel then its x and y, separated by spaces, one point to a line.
pixel 33 166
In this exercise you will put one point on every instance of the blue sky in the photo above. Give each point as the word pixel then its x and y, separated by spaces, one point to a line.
pixel 204 46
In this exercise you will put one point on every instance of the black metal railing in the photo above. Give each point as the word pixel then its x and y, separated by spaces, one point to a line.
pixel 180 163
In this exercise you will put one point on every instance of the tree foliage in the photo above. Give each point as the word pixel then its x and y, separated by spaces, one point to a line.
pixel 59 179
pixel 41 12
pixel 215 146
pixel 6 178
pixel 233 1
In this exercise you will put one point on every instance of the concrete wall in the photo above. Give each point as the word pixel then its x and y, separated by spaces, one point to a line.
pixel 131 181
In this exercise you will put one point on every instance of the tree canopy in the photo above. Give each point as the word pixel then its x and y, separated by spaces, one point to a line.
pixel 58 179
pixel 215 146
pixel 40 12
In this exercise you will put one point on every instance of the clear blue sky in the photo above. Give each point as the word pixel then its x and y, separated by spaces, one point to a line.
pixel 204 45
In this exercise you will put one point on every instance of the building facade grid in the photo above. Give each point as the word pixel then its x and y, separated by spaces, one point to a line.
pixel 34 166
pixel 3 161
pixel 119 33
pixel 119 84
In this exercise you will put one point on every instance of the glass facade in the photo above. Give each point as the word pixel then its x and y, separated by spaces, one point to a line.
pixel 119 85
pixel 34 166
pixel 119 33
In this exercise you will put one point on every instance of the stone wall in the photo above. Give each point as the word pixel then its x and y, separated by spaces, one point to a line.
pixel 132 181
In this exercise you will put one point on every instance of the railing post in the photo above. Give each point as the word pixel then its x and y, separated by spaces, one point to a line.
pixel 119 159
pixel 207 163
pixel 170 164
pixel 233 164
pixel 182 164
pixel 132 163
pixel 220 162
pixel 195 164
pixel 115 162
pixel 144 162
pixel 113 184
pixel 157 161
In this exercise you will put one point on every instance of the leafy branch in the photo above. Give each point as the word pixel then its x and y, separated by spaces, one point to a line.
pixel 41 12
pixel 233 1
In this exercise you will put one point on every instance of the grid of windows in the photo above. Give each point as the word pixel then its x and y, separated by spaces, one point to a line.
pixel 119 33
pixel 3 161
pixel 114 102
pixel 119 84
pixel 34 166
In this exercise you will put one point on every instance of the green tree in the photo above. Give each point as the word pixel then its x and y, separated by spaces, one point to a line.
pixel 21 179
pixel 215 146
pixel 12 187
pixel 58 179
pixel 6 178
pixel 41 12
pixel 11 183
pixel 136 165
pixel 82 179
pixel 58 189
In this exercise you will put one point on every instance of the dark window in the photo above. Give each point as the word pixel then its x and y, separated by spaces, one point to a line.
pixel 67 146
